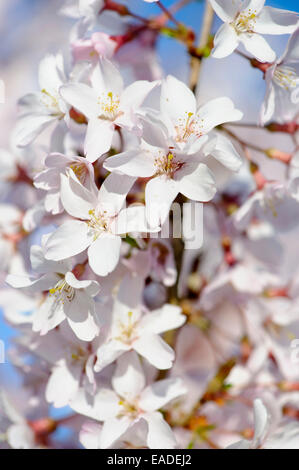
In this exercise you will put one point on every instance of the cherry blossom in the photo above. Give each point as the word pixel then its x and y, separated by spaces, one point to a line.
pixel 244 22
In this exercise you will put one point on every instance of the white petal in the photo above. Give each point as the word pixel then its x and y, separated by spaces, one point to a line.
pixel 103 406
pixel 160 393
pixel 167 318
pixel 177 100
pixel 62 384
pixel 20 436
pixel 81 317
pixel 98 138
pixel 70 239
pixel 132 219
pixel 160 193
pixel 160 435
pixel 225 41
pixel 155 350
pixel 128 380
pixel 76 199
pixel 103 254
pixel 106 78
pixel 221 148
pixel 30 126
pixel 113 192
pixel 112 430
pixel 109 352
pixel 276 21
pixel 82 97
pixel 217 111
pixel 258 47
pixel 135 94
pixel 199 185
pixel 138 163
pixel 225 9
pixel 261 422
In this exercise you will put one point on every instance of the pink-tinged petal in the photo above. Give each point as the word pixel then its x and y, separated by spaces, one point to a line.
pixel 138 163
pixel 108 353
pixel 217 111
pixel 155 350
pixel 47 179
pixel 276 21
pixel 89 435
pixel 225 41
pixel 70 239
pixel 292 50
pixel 160 435
pixel 160 193
pixel 75 198
pixel 98 138
pixel 30 126
pixel 112 430
pixel 62 384
pixel 103 254
pixel 82 97
pixel 225 9
pixel 160 393
pixel 221 148
pixel 198 185
pixel 113 192
pixel 57 160
pixel 169 317
pixel 135 94
pixel 177 100
pixel 128 380
pixel 106 78
pixel 258 47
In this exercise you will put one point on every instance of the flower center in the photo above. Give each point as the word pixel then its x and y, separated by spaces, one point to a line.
pixel 187 127
pixel 62 292
pixel 128 409
pixel 286 77
pixel 244 22
pixel 99 223
pixel 127 330
pixel 51 102
pixel 109 105
pixel 167 165
pixel 80 171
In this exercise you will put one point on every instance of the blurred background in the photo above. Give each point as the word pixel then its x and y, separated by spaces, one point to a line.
pixel 31 28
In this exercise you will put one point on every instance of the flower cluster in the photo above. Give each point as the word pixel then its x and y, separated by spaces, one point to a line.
pixel 147 343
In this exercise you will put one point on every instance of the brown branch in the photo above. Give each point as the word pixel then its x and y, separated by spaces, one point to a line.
pixel 203 41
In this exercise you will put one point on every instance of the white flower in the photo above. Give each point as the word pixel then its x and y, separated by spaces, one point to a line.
pixel 106 105
pixel 67 298
pixel 14 427
pixel 103 221
pixel 282 79
pixel 49 179
pixel 39 110
pixel 244 22
pixel 287 437
pixel 174 148
pixel 134 328
pixel 130 403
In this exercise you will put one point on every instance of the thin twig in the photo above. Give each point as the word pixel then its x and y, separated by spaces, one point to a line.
pixel 168 13
pixel 203 40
